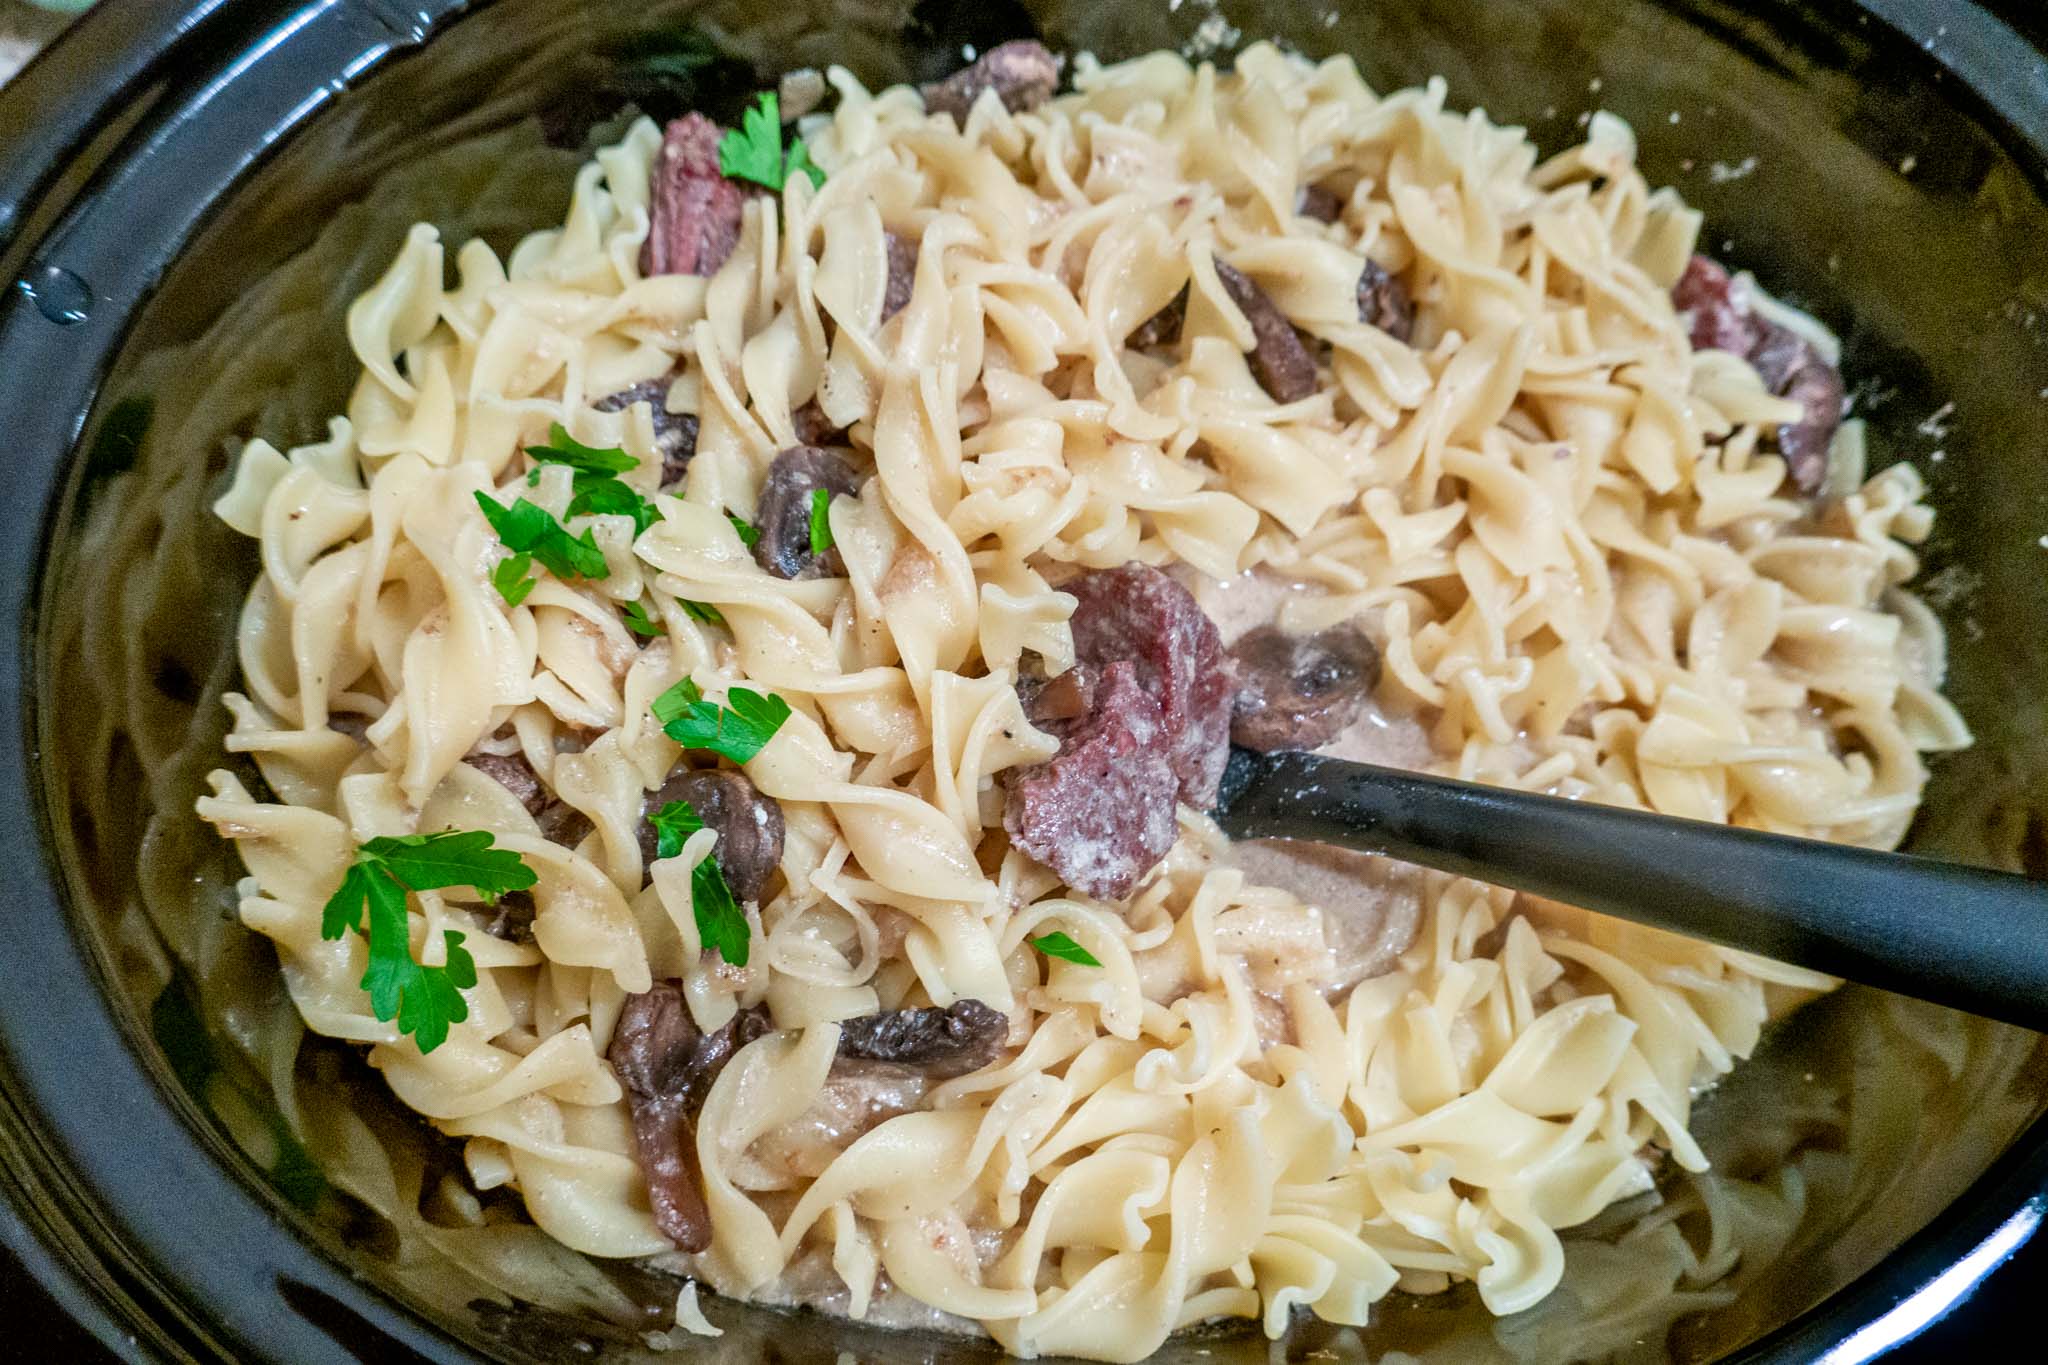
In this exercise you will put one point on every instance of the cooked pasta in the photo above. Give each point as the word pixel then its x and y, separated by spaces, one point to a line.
pixel 1259 1080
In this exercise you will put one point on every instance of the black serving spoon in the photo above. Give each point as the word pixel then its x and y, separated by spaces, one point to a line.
pixel 1960 936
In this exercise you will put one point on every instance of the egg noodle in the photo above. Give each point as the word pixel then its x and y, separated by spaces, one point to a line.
pixel 1555 518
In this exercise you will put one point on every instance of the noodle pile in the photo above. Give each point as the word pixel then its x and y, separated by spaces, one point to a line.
pixel 1554 517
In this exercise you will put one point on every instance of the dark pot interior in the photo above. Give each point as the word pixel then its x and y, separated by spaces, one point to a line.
pixel 179 1151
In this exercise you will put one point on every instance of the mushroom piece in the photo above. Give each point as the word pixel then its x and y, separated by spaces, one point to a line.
pixel 1383 301
pixel 675 433
pixel 749 825
pixel 559 821
pixel 667 1065
pixel 1023 73
pixel 1281 364
pixel 942 1043
pixel 783 513
pixel 1300 691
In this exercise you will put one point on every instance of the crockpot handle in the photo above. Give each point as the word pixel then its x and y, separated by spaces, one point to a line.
pixel 1966 937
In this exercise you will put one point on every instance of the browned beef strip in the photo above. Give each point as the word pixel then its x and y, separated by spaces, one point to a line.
pixel 1100 812
pixel 1163 327
pixel 1281 364
pixel 783 514
pixel 675 433
pixel 1383 301
pixel 1022 73
pixel 902 273
pixel 814 428
pixel 1299 691
pixel 1141 614
pixel 965 1036
pixel 512 919
pixel 559 821
pixel 695 210
pixel 667 1066
pixel 1719 318
pixel 749 824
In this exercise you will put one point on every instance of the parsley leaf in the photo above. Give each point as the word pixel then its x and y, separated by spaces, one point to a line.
pixel 821 529
pixel 1057 944
pixel 738 730
pixel 719 922
pixel 510 579
pixel 526 528
pixel 606 494
pixel 673 823
pixel 641 621
pixel 744 529
pixel 702 611
pixel 800 160
pixel 562 448
pixel 424 1000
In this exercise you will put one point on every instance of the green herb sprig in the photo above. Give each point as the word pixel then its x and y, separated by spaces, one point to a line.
pixel 753 151
pixel 738 730
pixel 821 527
pixel 720 922
pixel 1057 944
pixel 424 1000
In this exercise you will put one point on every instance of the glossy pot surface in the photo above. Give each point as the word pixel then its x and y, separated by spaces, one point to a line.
pixel 190 194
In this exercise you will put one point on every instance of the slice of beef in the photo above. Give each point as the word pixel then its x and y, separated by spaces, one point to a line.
pixel 694 210
pixel 1299 691
pixel 512 918
pixel 1140 614
pixel 1320 203
pixel 749 824
pixel 902 273
pixel 1100 813
pixel 1163 327
pixel 942 1043
pixel 1719 317
pixel 783 514
pixel 675 433
pixel 667 1066
pixel 1383 301
pixel 1023 73
pixel 1281 364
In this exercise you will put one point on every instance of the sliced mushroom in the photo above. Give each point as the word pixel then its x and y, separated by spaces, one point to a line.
pixel 1023 73
pixel 1320 203
pixel 675 433
pixel 749 825
pixel 1300 691
pixel 813 427
pixel 1383 301
pixel 902 273
pixel 667 1066
pixel 1069 696
pixel 1281 364
pixel 964 1036
pixel 513 918
pixel 559 821
pixel 783 514
pixel 1163 327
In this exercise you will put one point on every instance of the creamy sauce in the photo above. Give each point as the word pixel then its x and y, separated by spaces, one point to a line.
pixel 1371 906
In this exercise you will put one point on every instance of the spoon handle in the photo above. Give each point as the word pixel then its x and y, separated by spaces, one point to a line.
pixel 1961 936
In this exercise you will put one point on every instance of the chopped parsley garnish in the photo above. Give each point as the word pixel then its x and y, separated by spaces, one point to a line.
pixel 737 730
pixel 641 621
pixel 594 485
pixel 702 611
pixel 720 924
pixel 1057 944
pixel 526 528
pixel 753 151
pixel 744 529
pixel 673 823
pixel 562 448
pixel 511 580
pixel 424 1000
pixel 821 528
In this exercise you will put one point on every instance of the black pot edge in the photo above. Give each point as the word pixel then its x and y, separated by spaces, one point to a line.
pixel 132 41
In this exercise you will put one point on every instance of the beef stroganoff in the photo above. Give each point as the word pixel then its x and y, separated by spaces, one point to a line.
pixel 739 689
